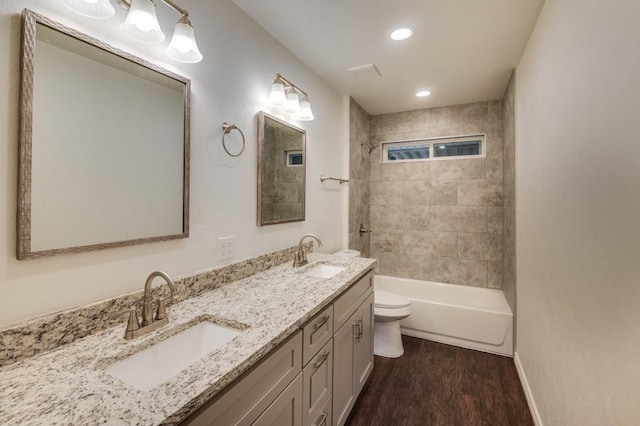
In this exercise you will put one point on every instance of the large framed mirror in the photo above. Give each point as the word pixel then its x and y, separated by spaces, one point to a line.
pixel 282 160
pixel 104 145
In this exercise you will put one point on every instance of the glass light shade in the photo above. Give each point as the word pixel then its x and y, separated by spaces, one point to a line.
pixel 98 9
pixel 293 102
pixel 305 110
pixel 141 23
pixel 183 45
pixel 277 97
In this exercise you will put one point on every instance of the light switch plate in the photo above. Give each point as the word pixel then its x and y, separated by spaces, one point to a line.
pixel 225 247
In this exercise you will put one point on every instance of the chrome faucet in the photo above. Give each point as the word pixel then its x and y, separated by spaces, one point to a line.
pixel 149 323
pixel 300 257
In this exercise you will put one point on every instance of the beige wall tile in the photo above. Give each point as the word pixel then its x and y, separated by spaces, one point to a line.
pixel 431 243
pixel 479 246
pixel 416 170
pixel 494 274
pixel 386 241
pixel 459 169
pixel 374 167
pixel 416 217
pixel 458 218
pixel 495 220
pixel 480 192
pixel 460 119
pixel 386 193
pixel 402 122
pixel 417 192
pixel 459 271
pixel 444 192
pixel 399 265
pixel 495 146
pixel 494 168
pixel 399 217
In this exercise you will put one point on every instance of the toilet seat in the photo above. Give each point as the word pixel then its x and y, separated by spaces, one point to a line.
pixel 384 299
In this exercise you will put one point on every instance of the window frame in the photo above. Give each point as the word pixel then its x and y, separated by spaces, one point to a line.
pixel 384 145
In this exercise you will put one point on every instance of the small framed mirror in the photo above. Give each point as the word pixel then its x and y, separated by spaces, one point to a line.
pixel 104 145
pixel 282 163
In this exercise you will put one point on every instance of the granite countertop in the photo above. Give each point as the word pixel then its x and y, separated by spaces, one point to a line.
pixel 68 385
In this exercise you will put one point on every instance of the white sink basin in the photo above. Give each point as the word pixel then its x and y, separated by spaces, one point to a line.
pixel 149 368
pixel 322 270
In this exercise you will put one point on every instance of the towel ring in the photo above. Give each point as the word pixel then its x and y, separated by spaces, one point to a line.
pixel 226 128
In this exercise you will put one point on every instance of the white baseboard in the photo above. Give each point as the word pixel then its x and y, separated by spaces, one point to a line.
pixel 527 392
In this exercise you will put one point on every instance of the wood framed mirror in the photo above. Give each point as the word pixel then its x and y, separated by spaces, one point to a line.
pixel 104 145
pixel 282 160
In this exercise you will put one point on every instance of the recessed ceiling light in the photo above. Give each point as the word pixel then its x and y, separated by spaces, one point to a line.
pixel 402 33
pixel 423 93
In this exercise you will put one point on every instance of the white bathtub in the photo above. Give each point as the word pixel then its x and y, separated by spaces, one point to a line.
pixel 470 317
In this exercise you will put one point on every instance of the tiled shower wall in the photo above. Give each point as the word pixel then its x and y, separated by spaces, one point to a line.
pixel 359 124
pixel 436 220
pixel 509 240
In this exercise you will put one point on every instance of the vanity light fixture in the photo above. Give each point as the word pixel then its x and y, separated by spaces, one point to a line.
pixel 142 24
pixel 423 93
pixel 286 94
pixel 98 9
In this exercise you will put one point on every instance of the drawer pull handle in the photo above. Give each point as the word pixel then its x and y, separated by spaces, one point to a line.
pixel 322 359
pixel 324 320
pixel 360 329
pixel 356 331
pixel 322 420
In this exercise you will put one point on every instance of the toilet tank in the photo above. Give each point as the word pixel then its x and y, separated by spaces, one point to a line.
pixel 347 253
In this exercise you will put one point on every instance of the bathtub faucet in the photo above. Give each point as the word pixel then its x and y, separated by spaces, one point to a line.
pixel 300 257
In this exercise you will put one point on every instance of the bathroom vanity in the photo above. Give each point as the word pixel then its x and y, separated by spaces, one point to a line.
pixel 301 356
pixel 331 356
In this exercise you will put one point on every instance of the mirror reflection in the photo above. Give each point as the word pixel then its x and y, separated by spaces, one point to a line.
pixel 103 145
pixel 281 171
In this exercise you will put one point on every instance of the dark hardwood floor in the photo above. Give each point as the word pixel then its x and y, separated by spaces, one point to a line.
pixel 434 384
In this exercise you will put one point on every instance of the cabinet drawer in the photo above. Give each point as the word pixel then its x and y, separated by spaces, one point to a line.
pixel 286 410
pixel 346 304
pixel 318 382
pixel 250 395
pixel 316 333
pixel 323 417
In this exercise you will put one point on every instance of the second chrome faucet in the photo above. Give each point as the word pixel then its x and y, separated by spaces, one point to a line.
pixel 300 257
pixel 149 321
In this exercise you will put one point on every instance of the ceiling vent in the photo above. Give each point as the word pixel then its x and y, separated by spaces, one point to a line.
pixel 366 72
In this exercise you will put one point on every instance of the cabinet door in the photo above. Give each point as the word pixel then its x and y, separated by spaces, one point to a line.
pixel 248 397
pixel 318 379
pixel 286 410
pixel 364 343
pixel 344 386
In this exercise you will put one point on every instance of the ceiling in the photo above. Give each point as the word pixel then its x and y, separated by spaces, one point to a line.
pixel 463 50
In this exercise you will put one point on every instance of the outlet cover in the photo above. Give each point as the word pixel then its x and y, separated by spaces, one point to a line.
pixel 225 247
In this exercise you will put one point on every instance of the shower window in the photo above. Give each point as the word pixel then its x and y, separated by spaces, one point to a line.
pixel 434 148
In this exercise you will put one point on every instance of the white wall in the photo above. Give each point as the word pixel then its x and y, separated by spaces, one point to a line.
pixel 231 84
pixel 578 213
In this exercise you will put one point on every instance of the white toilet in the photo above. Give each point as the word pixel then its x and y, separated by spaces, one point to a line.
pixel 389 309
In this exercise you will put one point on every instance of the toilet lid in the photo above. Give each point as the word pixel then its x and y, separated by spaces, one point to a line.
pixel 384 299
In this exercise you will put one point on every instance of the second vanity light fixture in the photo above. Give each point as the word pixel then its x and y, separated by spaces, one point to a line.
pixel 285 94
pixel 142 24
